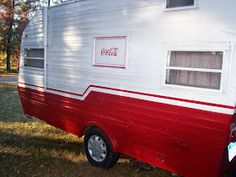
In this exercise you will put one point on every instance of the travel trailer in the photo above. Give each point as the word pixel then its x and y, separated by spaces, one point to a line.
pixel 150 79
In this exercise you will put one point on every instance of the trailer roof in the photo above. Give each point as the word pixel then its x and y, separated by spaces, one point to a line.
pixel 66 2
pixel 122 3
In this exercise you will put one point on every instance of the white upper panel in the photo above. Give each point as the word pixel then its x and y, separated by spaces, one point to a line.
pixel 33 37
pixel 33 34
pixel 149 27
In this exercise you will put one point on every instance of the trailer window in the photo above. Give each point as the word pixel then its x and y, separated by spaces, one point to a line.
pixel 179 3
pixel 34 58
pixel 195 69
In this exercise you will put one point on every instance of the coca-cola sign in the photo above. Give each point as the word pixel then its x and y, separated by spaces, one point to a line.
pixel 110 51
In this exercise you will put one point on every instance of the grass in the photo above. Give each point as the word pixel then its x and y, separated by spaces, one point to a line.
pixel 32 148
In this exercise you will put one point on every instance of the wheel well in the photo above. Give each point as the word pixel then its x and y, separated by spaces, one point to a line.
pixel 88 128
pixel 109 136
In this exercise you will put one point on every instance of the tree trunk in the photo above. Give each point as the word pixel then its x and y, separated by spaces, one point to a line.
pixel 9 37
pixel 8 53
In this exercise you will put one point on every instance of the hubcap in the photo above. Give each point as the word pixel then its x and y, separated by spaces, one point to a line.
pixel 97 148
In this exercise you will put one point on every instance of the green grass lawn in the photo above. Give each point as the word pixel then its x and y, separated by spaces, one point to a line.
pixel 30 148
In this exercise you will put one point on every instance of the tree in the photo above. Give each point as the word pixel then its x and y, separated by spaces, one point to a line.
pixel 14 16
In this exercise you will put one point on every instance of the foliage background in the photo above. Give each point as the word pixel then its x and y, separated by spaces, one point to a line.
pixel 14 16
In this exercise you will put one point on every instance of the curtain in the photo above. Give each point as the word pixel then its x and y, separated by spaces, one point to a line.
pixel 206 60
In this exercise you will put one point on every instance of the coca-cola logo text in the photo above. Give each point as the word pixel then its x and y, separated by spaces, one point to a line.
pixel 109 52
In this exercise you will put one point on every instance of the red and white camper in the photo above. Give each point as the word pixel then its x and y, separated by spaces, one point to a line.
pixel 151 79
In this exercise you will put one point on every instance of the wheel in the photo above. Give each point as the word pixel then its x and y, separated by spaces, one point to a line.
pixel 98 149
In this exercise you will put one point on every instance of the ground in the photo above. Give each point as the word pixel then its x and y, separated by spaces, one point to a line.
pixel 31 148
pixel 8 78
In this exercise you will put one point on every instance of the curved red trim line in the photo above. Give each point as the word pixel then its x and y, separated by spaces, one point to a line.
pixel 167 97
pixel 30 85
pixel 76 94
pixel 140 93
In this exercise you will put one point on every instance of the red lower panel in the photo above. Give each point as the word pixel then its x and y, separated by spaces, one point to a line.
pixel 185 141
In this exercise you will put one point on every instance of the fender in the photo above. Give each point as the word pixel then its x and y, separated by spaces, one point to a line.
pixel 106 130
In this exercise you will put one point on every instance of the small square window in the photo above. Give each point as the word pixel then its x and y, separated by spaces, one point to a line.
pixel 179 3
pixel 34 58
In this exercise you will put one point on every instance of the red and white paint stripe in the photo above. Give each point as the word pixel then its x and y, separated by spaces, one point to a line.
pixel 213 107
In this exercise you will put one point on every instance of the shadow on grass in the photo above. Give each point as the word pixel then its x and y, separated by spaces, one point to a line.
pixel 18 165
pixel 39 143
pixel 41 156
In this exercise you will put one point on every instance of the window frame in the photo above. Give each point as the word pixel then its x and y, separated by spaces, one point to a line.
pixel 33 58
pixel 194 6
pixel 200 47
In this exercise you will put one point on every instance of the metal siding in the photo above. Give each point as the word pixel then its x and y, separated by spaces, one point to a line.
pixel 74 32
pixel 33 37
pixel 73 26
pixel 33 34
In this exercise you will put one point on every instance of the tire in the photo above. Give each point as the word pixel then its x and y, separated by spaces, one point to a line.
pixel 232 168
pixel 232 173
pixel 98 149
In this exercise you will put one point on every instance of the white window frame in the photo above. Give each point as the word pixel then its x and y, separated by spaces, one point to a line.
pixel 198 47
pixel 194 6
